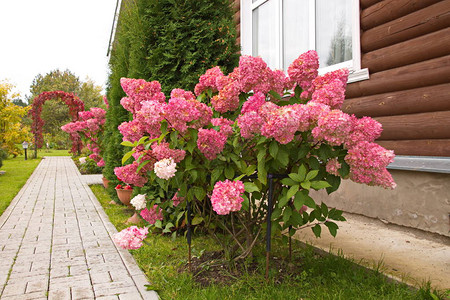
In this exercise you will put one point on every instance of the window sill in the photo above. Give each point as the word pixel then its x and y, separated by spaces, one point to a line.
pixel 359 75
pixel 421 163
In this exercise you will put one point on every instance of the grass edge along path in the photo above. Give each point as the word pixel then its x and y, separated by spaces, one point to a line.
pixel 310 276
pixel 18 170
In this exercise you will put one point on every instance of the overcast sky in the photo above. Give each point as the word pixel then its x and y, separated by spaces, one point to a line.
pixel 38 36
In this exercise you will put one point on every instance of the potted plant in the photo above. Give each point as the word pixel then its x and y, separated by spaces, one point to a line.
pixel 124 193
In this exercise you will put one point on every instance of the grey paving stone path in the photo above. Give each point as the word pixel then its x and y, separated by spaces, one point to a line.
pixel 55 242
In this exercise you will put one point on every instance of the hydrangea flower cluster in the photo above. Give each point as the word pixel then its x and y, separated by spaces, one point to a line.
pixel 131 237
pixel 226 196
pixel 176 200
pixel 165 168
pixel 90 126
pixel 139 202
pixel 210 142
pixel 152 215
pixel 129 174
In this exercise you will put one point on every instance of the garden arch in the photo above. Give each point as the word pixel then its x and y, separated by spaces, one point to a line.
pixel 75 105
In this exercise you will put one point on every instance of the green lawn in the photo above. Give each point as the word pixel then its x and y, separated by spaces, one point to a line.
pixel 309 276
pixel 18 170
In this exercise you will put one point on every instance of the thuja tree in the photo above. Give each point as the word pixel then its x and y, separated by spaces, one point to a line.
pixel 218 151
pixel 165 40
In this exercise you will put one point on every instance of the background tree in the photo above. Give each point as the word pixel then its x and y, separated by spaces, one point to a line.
pixel 12 131
pixel 55 113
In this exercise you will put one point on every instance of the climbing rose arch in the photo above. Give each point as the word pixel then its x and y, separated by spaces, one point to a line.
pixel 75 105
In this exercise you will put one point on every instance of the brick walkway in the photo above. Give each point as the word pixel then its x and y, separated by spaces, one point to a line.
pixel 55 242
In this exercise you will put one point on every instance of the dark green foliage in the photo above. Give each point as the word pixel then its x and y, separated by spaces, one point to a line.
pixel 171 41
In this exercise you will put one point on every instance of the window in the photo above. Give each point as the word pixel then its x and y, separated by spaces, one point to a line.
pixel 280 30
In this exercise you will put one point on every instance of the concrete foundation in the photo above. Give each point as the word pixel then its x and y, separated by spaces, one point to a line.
pixel 421 200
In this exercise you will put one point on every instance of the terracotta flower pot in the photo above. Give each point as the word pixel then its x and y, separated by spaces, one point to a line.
pixel 105 182
pixel 124 196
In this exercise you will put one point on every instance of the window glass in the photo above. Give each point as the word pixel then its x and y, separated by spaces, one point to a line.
pixel 266 32
pixel 295 30
pixel 333 31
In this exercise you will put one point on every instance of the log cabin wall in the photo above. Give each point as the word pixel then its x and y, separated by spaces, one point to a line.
pixel 405 44
pixel 236 6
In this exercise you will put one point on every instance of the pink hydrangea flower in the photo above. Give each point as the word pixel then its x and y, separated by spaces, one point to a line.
pixel 128 174
pixel 131 237
pixel 180 93
pixel 85 115
pixel 226 196
pixel 331 94
pixel 99 113
pixel 101 163
pixel 303 70
pixel 210 142
pixel 132 131
pixel 140 90
pixel 253 103
pixel 333 166
pixel 327 78
pixel 224 124
pixel 180 112
pixel 176 200
pixel 364 129
pixel 208 81
pixel 333 127
pixel 282 124
pixel 228 98
pixel 152 215
pixel 250 124
pixel 162 151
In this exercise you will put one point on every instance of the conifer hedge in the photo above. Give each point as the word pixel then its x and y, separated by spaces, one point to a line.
pixel 172 41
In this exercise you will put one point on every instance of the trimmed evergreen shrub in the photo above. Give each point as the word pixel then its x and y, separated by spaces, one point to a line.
pixel 172 41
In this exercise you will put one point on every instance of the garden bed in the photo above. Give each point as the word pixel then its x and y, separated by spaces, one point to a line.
pixel 309 275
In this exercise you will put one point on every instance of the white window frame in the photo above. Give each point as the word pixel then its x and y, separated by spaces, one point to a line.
pixel 354 65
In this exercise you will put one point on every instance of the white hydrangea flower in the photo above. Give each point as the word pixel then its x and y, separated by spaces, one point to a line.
pixel 139 202
pixel 82 160
pixel 165 168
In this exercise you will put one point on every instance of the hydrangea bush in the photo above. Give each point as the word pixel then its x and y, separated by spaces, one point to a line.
pixel 216 149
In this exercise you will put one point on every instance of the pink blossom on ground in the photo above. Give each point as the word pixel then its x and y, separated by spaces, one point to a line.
pixel 226 196
pixel 152 215
pixel 210 142
pixel 128 174
pixel 208 81
pixel 333 166
pixel 132 131
pixel 162 151
pixel 333 127
pixel 303 70
pixel 131 237
pixel 368 162
pixel 165 168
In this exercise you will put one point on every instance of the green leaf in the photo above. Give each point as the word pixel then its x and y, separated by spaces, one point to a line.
pixel 295 177
pixel 287 214
pixel 332 227
pixel 317 230
pixel 142 165
pixel 292 191
pixel 229 172
pixel 275 95
pixel 273 149
pixel 334 182
pixel 299 201
pixel 142 140
pixel 239 177
pixel 262 172
pixel 288 181
pixel 313 163
pixel 245 203
pixel 283 157
pixel 311 174
pixel 307 200
pixel 283 201
pixel 276 213
pixel 304 150
pixel 199 193
pixel 197 220
pixel 301 173
pixel 127 156
pixel 306 185
pixel 183 190
pixel 128 144
pixel 261 155
pixel 324 209
pixel 317 185
pixel 250 170
pixel 344 170
pixel 158 224
pixel 296 218
pixel 250 187
pixel 215 174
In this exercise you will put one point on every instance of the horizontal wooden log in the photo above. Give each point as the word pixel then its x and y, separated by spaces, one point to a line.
pixel 237 5
pixel 421 22
pixel 367 3
pixel 388 10
pixel 431 72
pixel 432 125
pixel 423 48
pixel 426 99
pixel 419 147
